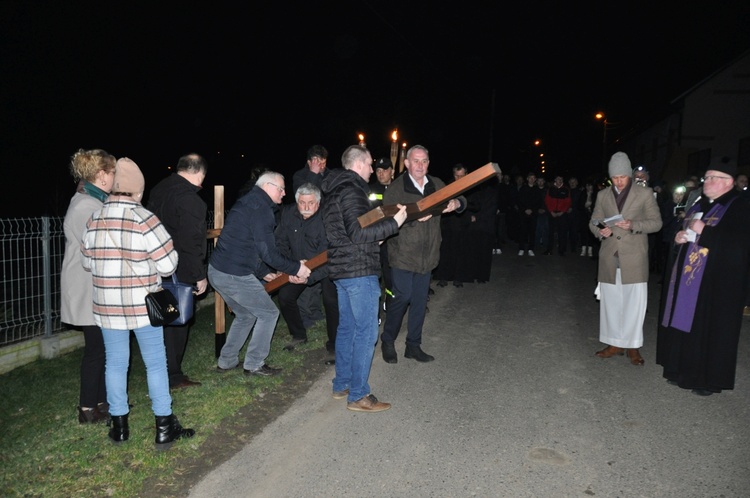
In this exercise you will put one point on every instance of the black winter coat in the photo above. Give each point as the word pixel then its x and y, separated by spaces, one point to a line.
pixel 353 251
pixel 175 201
pixel 299 238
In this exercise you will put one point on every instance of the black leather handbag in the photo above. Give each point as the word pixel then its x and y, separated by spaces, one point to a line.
pixel 162 307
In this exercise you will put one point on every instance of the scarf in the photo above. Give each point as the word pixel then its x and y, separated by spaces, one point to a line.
pixel 95 191
pixel 680 316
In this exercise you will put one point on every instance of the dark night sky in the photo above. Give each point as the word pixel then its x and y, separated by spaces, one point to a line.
pixel 258 83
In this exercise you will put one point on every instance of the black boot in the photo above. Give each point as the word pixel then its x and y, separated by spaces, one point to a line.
pixel 120 432
pixel 168 429
pixel 414 351
pixel 389 352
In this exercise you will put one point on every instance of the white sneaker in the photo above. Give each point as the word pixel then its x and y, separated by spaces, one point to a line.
pixel 498 251
pixel 531 253
pixel 591 252
pixel 583 251
pixel 520 253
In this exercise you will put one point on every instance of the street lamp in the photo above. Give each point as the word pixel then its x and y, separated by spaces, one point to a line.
pixel 601 117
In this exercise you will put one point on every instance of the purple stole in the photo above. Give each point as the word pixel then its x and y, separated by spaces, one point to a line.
pixel 681 316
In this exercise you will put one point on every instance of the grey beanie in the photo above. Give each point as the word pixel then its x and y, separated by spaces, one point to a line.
pixel 619 165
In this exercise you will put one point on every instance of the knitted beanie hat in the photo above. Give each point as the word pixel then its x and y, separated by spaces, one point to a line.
pixel 129 179
pixel 619 165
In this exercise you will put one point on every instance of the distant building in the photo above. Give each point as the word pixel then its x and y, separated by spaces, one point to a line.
pixel 710 119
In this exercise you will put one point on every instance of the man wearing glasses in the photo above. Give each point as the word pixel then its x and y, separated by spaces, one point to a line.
pixel 703 300
pixel 242 259
pixel 623 259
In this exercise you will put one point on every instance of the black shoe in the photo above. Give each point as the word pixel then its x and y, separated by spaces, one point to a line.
pixel 120 432
pixel 294 343
pixel 225 370
pixel 169 430
pixel 456 283
pixel 442 283
pixel 93 415
pixel 185 383
pixel 389 352
pixel 416 353
pixel 430 291
pixel 702 392
pixel 263 371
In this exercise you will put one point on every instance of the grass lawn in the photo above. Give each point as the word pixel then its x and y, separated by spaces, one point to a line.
pixel 47 453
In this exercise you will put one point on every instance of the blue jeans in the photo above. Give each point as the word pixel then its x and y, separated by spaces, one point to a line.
pixel 117 351
pixel 252 307
pixel 357 334
pixel 410 291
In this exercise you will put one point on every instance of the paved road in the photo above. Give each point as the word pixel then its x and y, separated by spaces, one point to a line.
pixel 516 404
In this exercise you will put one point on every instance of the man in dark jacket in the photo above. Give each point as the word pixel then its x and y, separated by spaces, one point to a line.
pixel 314 171
pixel 175 201
pixel 412 255
pixel 301 235
pixel 383 179
pixel 354 267
pixel 243 257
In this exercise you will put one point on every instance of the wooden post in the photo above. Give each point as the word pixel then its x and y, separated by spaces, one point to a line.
pixel 219 306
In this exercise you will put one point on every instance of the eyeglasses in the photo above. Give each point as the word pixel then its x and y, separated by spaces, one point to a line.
pixel 281 189
pixel 714 178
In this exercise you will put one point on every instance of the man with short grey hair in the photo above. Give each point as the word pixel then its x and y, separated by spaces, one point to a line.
pixel 301 235
pixel 242 259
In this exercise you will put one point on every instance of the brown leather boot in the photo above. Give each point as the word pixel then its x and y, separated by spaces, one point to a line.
pixel 610 351
pixel 635 357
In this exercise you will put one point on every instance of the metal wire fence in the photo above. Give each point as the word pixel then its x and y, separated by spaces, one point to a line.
pixel 32 251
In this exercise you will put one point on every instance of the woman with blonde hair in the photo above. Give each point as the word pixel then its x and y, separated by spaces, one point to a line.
pixel 93 171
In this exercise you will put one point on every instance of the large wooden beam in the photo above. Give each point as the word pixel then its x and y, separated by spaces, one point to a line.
pixel 283 279
pixel 433 203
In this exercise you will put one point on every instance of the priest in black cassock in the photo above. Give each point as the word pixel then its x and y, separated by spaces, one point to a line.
pixel 701 308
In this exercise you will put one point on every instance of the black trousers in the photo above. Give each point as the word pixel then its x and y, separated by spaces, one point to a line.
pixel 290 310
pixel 175 341
pixel 93 387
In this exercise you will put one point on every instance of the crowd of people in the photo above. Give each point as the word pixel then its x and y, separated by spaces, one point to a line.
pixel 693 235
